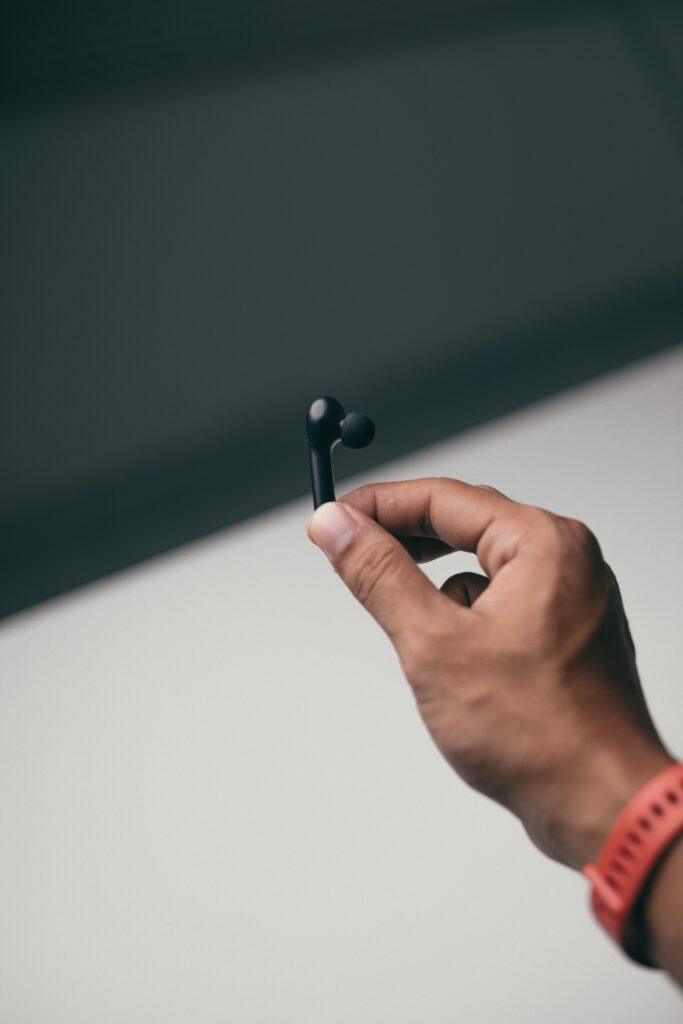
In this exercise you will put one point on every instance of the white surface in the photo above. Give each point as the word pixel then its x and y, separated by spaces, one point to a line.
pixel 217 802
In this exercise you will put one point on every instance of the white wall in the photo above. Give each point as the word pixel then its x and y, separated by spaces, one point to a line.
pixel 217 802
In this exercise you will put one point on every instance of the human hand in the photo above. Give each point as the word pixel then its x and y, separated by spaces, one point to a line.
pixel 525 677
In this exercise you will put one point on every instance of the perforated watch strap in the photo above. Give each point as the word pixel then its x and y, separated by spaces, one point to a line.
pixel 647 826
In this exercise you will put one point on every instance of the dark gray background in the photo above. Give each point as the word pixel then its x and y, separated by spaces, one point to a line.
pixel 211 215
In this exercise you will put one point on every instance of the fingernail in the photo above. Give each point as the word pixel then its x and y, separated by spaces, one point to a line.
pixel 332 527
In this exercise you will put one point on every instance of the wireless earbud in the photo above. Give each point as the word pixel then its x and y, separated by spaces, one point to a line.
pixel 326 425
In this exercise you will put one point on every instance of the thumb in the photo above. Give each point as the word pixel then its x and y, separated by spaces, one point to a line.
pixel 378 571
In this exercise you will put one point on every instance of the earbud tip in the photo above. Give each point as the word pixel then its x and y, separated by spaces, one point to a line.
pixel 357 431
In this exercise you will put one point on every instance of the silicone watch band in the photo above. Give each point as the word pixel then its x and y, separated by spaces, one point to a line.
pixel 644 830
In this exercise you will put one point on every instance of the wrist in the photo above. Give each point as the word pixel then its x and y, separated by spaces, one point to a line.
pixel 659 913
pixel 601 788
pixel 625 889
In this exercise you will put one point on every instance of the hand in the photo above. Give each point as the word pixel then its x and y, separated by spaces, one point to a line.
pixel 525 677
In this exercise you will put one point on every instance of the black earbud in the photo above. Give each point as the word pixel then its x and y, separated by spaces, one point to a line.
pixel 326 425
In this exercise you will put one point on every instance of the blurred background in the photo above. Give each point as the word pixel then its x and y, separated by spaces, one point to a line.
pixel 465 219
pixel 213 212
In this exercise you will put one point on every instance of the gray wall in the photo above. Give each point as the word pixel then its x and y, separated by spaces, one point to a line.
pixel 216 244
pixel 217 803
pixel 185 267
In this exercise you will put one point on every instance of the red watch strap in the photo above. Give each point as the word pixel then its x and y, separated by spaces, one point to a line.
pixel 644 830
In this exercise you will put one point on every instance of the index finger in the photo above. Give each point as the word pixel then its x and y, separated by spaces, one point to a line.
pixel 464 517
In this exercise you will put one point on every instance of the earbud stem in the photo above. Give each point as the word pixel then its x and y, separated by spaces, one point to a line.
pixel 322 480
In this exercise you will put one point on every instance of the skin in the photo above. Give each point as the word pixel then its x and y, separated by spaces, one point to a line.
pixel 526 676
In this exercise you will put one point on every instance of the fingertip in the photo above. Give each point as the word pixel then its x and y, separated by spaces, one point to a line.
pixel 332 528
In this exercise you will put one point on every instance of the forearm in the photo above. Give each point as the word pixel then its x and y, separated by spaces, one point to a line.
pixel 662 914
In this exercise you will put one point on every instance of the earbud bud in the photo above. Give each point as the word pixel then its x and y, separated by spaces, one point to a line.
pixel 326 425
pixel 357 431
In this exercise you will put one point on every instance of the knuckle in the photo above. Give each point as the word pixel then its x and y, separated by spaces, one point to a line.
pixel 570 599
pixel 562 535
pixel 582 537
pixel 493 491
pixel 582 548
pixel 543 531
pixel 543 523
